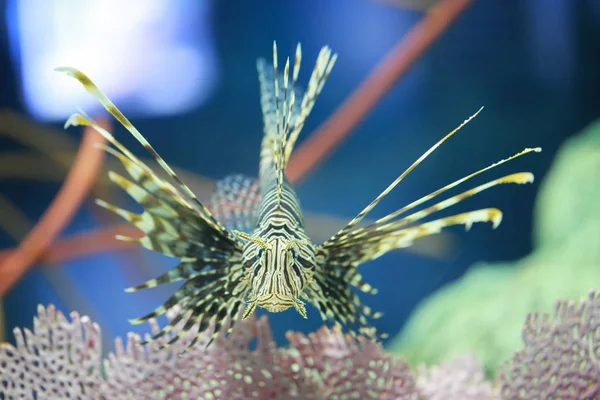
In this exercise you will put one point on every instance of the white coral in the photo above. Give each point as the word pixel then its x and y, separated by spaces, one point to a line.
pixel 62 359
pixel 58 360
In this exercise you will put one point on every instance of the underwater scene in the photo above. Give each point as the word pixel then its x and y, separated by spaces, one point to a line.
pixel 358 199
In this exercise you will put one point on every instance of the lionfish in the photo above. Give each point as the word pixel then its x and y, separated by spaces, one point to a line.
pixel 249 248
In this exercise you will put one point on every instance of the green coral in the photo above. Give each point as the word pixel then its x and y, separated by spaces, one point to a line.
pixel 484 311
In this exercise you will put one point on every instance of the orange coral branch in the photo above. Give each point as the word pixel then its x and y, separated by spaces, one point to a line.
pixel 381 79
pixel 77 184
pixel 91 242
pixel 81 244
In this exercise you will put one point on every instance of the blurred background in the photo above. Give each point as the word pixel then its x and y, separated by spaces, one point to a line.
pixel 185 73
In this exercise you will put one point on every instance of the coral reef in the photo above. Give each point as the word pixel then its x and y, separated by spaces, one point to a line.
pixel 560 358
pixel 62 359
pixel 493 299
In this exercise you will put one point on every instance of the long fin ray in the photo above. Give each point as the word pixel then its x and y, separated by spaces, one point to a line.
pixel 374 246
pixel 453 185
pixel 340 307
pixel 200 287
pixel 183 314
pixel 150 203
pixel 91 87
pixel 269 103
pixel 380 228
pixel 356 220
pixel 127 158
pixel 283 119
pixel 321 71
pixel 206 313
pixel 184 271
pixel 180 297
pixel 164 236
pixel 187 222
pixel 208 297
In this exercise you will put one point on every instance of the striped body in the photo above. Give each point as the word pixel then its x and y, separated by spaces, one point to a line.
pixel 249 246
pixel 280 268
pixel 279 257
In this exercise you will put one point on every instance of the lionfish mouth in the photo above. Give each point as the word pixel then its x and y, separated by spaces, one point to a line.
pixel 276 302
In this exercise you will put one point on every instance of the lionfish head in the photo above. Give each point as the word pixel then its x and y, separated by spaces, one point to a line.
pixel 278 270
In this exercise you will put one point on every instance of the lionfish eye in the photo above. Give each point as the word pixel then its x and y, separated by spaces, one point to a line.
pixel 293 251
pixel 260 252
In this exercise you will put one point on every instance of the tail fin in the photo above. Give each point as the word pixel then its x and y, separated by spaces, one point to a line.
pixel 283 117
